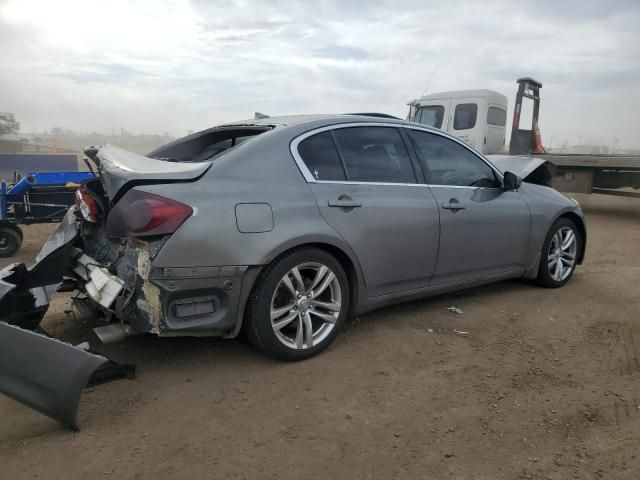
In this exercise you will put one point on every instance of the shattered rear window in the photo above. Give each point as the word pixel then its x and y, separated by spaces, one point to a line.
pixel 207 145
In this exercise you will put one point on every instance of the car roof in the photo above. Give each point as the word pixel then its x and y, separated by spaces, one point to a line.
pixel 278 121
pixel 287 120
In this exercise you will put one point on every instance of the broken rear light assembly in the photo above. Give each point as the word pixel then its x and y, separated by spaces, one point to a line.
pixel 86 204
pixel 143 214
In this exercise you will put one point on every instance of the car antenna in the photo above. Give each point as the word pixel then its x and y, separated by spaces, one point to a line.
pixel 429 83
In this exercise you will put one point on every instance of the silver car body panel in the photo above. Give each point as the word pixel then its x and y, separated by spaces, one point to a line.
pixel 489 236
pixel 405 243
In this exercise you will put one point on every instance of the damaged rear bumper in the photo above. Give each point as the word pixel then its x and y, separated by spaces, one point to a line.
pixel 24 292
pixel 166 301
pixel 49 375
pixel 43 373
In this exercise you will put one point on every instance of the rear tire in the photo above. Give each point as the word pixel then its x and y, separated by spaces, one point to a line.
pixel 10 241
pixel 559 254
pixel 298 305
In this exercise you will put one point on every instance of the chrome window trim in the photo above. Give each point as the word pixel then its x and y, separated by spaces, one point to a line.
pixel 391 184
pixel 306 173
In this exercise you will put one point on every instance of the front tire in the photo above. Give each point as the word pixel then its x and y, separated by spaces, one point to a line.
pixel 559 254
pixel 298 306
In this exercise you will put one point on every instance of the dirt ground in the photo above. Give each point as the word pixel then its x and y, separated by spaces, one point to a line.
pixel 544 386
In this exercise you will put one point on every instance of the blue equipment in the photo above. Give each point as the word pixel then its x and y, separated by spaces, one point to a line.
pixel 42 197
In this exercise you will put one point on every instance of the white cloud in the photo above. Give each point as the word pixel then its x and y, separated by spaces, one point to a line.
pixel 152 66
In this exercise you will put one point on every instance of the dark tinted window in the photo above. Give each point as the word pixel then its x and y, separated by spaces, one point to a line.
pixel 321 157
pixel 239 140
pixel 496 116
pixel 431 115
pixel 448 163
pixel 205 145
pixel 374 154
pixel 465 116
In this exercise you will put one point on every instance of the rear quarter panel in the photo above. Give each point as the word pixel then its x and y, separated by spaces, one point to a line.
pixel 263 172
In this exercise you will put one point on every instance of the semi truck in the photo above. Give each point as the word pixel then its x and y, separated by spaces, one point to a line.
pixel 478 117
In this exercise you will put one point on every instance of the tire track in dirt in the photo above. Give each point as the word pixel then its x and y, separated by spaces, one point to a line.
pixel 621 341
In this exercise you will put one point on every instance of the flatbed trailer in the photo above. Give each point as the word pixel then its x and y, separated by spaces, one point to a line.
pixel 484 129
pixel 602 174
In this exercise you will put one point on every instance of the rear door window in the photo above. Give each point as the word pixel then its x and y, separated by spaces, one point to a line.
pixel 321 157
pixel 431 115
pixel 497 116
pixel 465 116
pixel 446 162
pixel 374 154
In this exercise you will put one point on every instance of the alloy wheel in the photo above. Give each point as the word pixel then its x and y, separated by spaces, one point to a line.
pixel 561 256
pixel 306 305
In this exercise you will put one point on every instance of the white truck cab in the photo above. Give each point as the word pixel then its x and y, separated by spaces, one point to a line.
pixel 477 117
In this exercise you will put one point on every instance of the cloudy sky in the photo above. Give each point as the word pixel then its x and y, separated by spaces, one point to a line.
pixel 174 65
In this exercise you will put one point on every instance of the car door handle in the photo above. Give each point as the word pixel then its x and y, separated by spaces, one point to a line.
pixel 450 205
pixel 344 203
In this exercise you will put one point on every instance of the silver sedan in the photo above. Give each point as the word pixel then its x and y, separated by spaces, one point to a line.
pixel 282 227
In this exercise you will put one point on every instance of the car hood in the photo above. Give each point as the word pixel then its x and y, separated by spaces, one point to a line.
pixel 118 167
pixel 521 165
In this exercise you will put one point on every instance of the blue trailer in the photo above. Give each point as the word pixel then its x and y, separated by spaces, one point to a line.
pixel 37 162
pixel 42 197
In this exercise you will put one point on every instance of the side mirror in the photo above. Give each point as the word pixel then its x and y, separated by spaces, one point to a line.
pixel 511 181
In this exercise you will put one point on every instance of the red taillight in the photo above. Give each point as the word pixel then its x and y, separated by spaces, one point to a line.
pixel 142 214
pixel 86 205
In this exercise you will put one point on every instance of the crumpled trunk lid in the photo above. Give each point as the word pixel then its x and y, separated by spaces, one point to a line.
pixel 119 168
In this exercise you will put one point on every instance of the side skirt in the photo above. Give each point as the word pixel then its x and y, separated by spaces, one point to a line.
pixel 433 290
